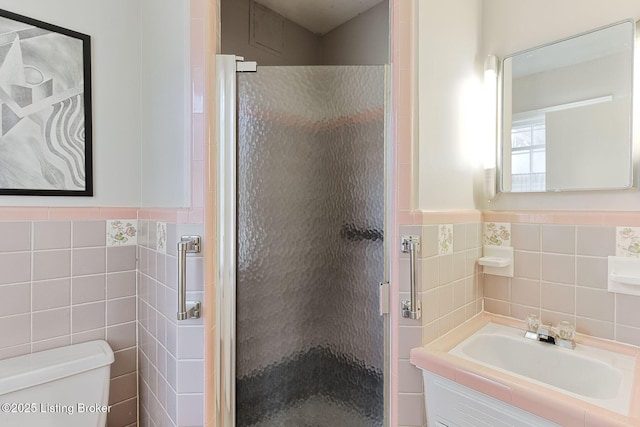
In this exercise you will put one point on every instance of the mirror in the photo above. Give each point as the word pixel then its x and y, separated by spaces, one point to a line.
pixel 567 114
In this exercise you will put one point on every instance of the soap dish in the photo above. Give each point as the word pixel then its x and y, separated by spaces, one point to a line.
pixel 497 260
pixel 494 261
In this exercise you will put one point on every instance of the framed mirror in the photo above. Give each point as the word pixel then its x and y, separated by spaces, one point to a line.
pixel 566 122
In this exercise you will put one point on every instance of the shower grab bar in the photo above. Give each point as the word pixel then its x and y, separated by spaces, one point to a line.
pixel 187 244
pixel 411 309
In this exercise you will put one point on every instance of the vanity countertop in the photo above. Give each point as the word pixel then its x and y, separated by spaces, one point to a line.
pixel 534 398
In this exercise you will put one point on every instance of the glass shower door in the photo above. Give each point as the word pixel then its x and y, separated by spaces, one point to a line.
pixel 310 215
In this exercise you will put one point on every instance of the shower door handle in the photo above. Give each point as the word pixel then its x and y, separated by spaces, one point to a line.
pixel 187 244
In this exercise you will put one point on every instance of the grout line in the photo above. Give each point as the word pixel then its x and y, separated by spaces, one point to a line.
pixel 575 275
pixel 615 317
pixel 540 271
pixel 31 275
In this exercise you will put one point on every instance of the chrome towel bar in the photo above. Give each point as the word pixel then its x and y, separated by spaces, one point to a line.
pixel 411 309
pixel 187 244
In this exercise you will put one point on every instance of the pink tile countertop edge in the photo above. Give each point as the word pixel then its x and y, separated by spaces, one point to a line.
pixel 550 404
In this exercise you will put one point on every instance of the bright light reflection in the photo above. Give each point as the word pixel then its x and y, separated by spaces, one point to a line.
pixel 490 112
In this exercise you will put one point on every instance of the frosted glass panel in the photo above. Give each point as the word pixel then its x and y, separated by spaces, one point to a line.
pixel 310 253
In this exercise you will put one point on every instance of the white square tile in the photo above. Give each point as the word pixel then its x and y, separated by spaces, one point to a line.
pixel 191 410
pixel 190 376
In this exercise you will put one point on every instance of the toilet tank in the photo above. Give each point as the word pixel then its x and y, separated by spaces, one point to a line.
pixel 67 386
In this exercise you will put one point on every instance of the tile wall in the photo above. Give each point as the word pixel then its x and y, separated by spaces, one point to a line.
pixel 561 274
pixel 171 353
pixel 61 284
pixel 450 293
pixel 403 65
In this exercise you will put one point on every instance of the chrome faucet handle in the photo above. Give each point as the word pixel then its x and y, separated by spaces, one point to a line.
pixel 533 323
pixel 566 330
pixel 566 333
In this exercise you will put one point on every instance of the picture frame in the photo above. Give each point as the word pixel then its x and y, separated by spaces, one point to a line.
pixel 45 109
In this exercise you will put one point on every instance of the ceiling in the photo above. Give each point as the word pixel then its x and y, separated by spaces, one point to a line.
pixel 319 16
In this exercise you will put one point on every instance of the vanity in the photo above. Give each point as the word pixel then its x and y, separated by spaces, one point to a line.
pixel 486 373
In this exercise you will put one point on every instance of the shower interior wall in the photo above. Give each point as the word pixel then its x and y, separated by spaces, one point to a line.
pixel 309 264
pixel 363 40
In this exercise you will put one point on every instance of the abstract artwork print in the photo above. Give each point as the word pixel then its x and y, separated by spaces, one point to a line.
pixel 45 109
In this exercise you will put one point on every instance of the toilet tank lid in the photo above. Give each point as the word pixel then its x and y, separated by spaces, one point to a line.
pixel 33 369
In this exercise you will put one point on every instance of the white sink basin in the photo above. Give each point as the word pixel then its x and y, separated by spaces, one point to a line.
pixel 597 376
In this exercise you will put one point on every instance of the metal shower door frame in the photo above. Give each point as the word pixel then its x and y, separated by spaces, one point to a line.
pixel 225 265
pixel 226 233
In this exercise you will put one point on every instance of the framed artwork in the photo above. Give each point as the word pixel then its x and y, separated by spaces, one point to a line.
pixel 45 109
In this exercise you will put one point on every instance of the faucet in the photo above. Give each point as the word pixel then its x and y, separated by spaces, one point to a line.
pixel 562 335
pixel 546 334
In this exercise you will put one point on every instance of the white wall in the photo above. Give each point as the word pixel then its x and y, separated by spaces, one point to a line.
pixel 165 135
pixel 363 40
pixel 115 42
pixel 510 26
pixel 449 88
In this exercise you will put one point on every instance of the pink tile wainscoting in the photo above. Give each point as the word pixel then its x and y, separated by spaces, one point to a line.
pixel 61 285
pixel 73 288
pixel 561 273
pixel 450 292
pixel 63 282
pixel 170 353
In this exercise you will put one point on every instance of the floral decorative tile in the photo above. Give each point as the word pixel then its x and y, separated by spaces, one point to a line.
pixel 161 237
pixel 122 232
pixel 628 242
pixel 445 239
pixel 497 233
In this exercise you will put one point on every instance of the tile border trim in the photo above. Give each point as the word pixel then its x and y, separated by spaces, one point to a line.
pixel 609 218
pixel 613 218
pixel 418 217
pixel 51 213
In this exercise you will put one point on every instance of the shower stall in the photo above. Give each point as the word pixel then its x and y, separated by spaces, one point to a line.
pixel 301 338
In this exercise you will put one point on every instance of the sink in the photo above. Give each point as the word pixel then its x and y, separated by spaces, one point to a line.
pixel 592 374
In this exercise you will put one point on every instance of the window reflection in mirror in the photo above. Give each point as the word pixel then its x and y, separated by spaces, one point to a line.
pixel 567 113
